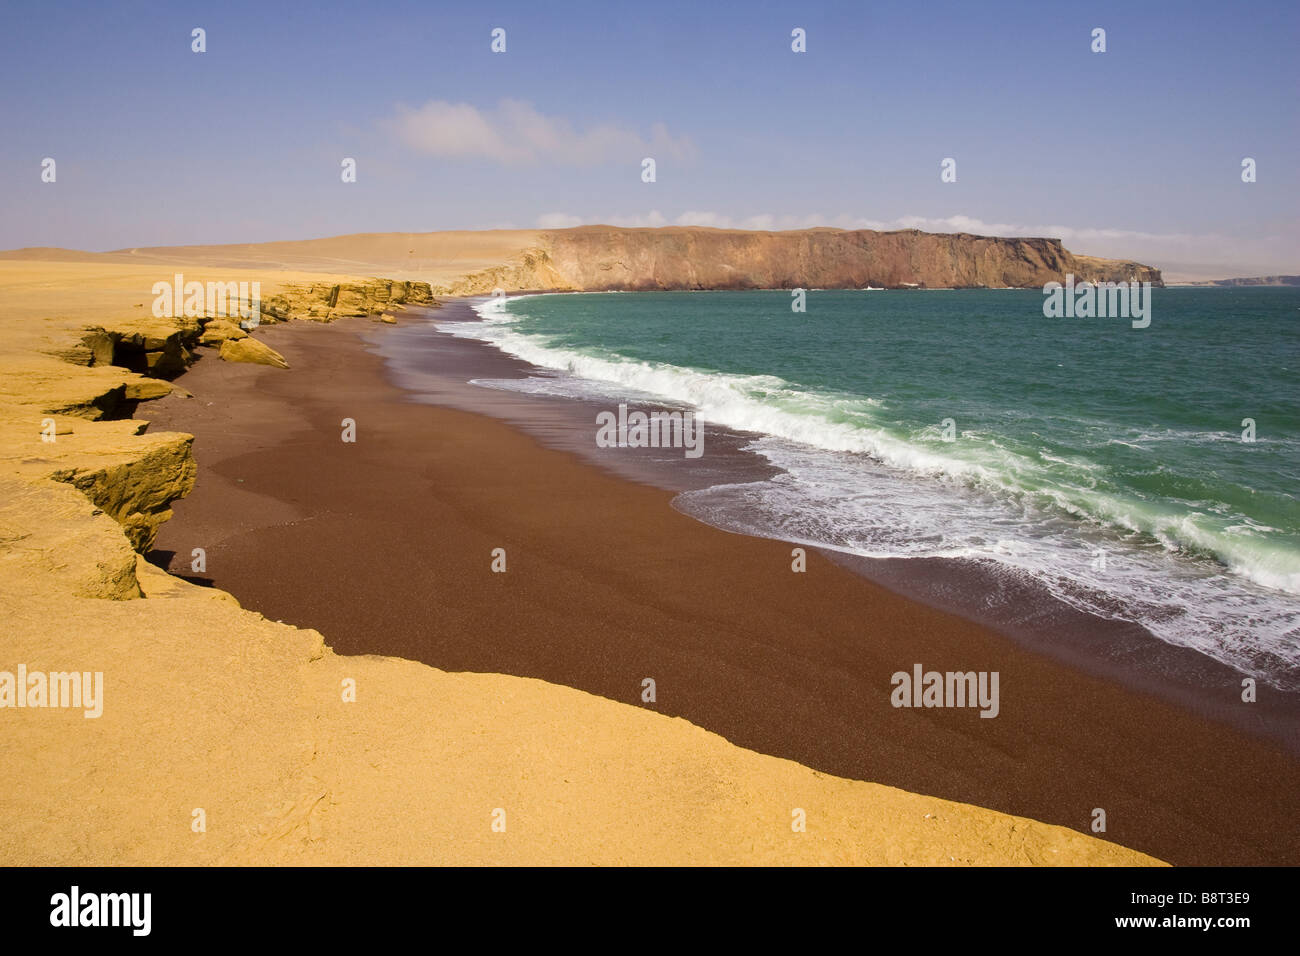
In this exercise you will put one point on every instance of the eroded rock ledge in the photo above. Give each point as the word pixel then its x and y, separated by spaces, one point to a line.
pixel 64 420
pixel 324 301
pixel 163 348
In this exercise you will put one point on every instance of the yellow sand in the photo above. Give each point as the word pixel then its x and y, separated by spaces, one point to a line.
pixel 434 257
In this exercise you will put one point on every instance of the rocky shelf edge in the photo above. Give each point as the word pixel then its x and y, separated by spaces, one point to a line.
pixel 163 348
pixel 70 423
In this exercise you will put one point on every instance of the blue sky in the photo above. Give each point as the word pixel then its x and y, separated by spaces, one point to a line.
pixel 1134 152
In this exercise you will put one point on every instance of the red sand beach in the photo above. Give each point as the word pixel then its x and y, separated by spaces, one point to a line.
pixel 386 546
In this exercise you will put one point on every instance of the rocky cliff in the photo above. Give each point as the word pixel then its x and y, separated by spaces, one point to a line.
pixel 603 258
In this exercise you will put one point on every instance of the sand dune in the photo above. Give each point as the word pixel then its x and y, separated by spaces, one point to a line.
pixel 439 257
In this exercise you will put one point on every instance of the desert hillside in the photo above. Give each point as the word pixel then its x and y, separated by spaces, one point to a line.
pixel 1249 281
pixel 441 258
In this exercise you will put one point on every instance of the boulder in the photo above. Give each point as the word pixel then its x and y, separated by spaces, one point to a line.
pixel 218 331
pixel 249 349
pixel 142 389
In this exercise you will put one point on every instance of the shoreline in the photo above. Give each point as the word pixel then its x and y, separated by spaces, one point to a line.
pixel 660 593
pixel 223 738
pixel 1019 608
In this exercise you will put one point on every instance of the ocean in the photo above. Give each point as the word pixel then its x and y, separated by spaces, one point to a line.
pixel 1105 463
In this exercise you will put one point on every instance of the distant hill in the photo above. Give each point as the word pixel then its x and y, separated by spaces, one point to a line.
pixel 1257 280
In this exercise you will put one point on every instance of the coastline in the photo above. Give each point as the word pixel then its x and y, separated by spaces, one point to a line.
pixel 223 738
pixel 434 367
pixel 300 533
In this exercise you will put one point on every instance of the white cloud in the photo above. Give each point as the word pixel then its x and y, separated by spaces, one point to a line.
pixel 515 134
pixel 1064 233
pixel 696 217
pixel 651 220
pixel 768 221
pixel 558 220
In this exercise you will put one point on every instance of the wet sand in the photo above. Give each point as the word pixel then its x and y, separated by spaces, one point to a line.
pixel 386 546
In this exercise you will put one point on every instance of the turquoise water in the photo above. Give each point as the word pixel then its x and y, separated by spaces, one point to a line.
pixel 1108 462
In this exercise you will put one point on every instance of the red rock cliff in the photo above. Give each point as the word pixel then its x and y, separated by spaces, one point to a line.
pixel 596 258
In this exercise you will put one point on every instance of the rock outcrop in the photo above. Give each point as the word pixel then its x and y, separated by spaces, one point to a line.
pixel 159 348
pixel 605 258
pixel 319 301
pixel 325 301
pixel 133 477
pixel 53 534
pixel 248 349
pixel 218 331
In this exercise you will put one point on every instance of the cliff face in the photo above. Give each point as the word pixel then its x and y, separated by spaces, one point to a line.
pixel 603 258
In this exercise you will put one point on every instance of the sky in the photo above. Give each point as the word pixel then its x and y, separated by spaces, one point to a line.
pixel 1133 153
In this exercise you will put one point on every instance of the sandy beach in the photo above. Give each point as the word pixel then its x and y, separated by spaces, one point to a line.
pixel 727 436
pixel 220 736
pixel 385 546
